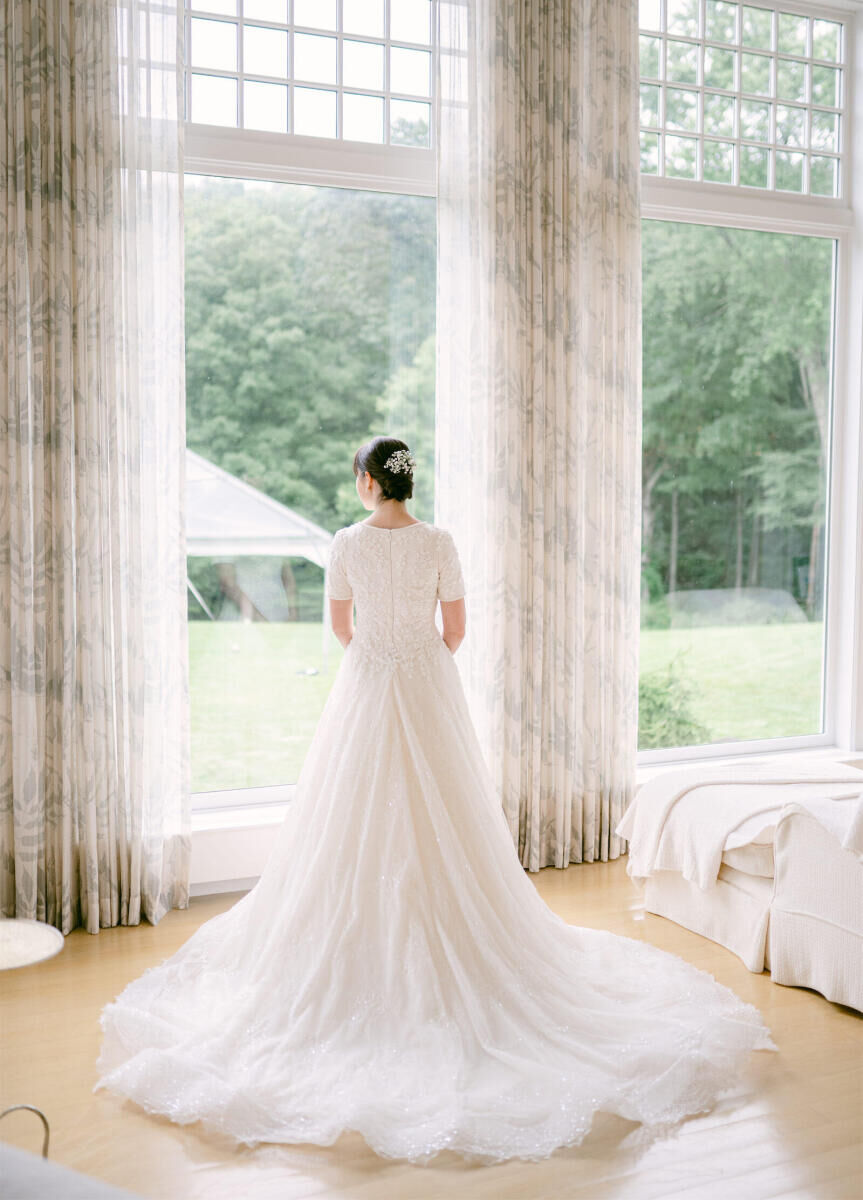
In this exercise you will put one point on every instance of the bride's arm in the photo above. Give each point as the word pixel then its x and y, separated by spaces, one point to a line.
pixel 342 619
pixel 454 617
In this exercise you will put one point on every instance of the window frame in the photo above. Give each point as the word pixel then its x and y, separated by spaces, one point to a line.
pixel 836 10
pixel 697 202
pixel 291 158
pixel 322 162
pixel 845 480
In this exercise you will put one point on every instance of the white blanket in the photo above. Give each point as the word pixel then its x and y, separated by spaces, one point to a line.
pixel 681 818
pixel 853 839
pixel 844 821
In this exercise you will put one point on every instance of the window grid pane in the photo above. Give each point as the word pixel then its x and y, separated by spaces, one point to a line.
pixel 742 94
pixel 320 68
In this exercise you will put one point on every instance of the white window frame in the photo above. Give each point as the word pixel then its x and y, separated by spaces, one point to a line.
pixel 198 11
pixel 325 162
pixel 739 207
pixel 321 162
pixel 837 10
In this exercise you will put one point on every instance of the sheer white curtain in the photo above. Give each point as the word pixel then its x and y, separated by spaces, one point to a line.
pixel 94 808
pixel 538 472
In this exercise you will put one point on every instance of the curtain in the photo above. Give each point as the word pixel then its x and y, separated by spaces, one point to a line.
pixel 94 789
pixel 539 428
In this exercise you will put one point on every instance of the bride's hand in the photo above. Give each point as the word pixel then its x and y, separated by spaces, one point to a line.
pixel 454 619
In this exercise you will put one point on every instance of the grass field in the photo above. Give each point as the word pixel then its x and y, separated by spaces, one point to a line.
pixel 747 681
pixel 254 707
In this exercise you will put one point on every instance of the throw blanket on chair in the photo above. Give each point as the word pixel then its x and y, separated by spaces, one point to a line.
pixel 680 819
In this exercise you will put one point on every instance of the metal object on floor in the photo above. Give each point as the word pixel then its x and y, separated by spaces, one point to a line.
pixel 22 944
pixel 46 1131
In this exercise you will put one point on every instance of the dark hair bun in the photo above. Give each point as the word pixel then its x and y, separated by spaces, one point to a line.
pixel 373 457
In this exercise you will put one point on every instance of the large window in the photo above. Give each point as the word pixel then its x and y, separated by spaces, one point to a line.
pixel 309 328
pixel 737 334
pixel 746 165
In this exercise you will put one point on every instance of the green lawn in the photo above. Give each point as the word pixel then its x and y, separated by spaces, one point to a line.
pixel 748 681
pixel 254 708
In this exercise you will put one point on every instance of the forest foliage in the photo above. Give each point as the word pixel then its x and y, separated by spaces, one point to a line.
pixel 310 316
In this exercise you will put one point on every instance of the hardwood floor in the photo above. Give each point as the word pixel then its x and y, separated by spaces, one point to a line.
pixel 792 1128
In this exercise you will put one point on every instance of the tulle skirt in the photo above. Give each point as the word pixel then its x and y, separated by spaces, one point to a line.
pixel 395 972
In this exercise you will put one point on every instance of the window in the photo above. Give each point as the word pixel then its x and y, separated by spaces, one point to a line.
pixel 746 255
pixel 742 94
pixel 310 257
pixel 737 330
pixel 309 328
pixel 310 308
pixel 360 70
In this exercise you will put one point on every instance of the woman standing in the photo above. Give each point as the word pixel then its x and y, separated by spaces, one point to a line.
pixel 394 971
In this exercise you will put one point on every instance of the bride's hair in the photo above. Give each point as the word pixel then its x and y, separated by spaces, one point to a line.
pixel 372 457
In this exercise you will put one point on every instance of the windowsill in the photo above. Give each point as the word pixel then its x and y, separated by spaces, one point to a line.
pixel 252 816
pixel 230 846
pixel 245 816
pixel 830 753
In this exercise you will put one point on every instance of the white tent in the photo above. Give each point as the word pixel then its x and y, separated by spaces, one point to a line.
pixel 226 517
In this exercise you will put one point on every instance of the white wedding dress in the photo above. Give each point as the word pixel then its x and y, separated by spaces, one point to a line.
pixel 394 970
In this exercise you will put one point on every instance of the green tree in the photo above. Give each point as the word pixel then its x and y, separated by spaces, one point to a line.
pixel 301 304
pixel 735 388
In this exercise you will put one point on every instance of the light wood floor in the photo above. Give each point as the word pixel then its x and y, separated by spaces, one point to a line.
pixel 792 1128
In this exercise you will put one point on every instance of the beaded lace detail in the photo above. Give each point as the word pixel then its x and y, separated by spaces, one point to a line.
pixel 396 577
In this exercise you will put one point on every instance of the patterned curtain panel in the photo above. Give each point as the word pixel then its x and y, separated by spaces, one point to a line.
pixel 93 655
pixel 539 459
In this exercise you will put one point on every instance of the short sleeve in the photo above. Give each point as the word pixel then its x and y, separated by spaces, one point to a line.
pixel 337 585
pixel 450 581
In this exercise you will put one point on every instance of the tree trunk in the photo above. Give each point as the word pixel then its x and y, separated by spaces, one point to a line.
pixel 289 583
pixel 672 550
pixel 228 583
pixel 738 564
pixel 648 517
pixel 754 551
pixel 815 398
pixel 814 541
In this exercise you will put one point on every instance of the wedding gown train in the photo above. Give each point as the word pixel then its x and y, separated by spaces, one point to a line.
pixel 394 971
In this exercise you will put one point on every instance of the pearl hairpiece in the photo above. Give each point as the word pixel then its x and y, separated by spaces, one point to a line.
pixel 400 460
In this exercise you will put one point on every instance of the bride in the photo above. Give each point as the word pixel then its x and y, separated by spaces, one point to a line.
pixel 394 971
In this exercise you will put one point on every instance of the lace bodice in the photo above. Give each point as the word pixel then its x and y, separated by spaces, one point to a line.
pixel 395 577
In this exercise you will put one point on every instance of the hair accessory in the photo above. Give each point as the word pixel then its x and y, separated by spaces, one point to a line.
pixel 400 460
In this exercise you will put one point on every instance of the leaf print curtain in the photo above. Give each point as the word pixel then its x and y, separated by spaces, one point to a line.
pixel 94 783
pixel 539 426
